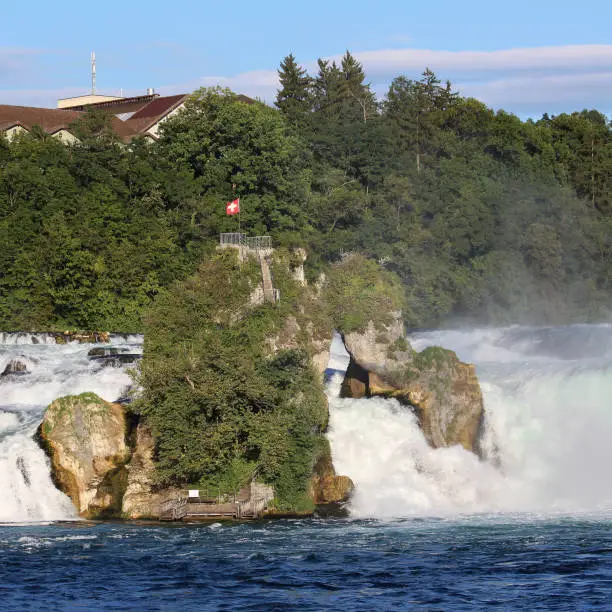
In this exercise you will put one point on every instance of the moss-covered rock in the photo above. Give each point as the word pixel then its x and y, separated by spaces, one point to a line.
pixel 86 439
pixel 326 487
pixel 445 395
pixel 142 498
pixel 443 392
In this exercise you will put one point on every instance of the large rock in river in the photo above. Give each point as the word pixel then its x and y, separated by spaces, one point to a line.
pixel 443 391
pixel 325 486
pixel 85 438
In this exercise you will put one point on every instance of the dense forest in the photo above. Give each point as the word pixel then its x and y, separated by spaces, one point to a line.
pixel 484 217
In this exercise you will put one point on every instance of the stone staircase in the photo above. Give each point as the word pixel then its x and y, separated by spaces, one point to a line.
pixel 270 293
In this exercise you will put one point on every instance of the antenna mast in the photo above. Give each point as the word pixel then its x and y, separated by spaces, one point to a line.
pixel 93 73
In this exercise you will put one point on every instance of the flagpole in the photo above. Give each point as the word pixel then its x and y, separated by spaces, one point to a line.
pixel 239 210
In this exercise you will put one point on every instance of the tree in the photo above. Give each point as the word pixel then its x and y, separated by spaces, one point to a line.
pixel 415 108
pixel 293 99
pixel 356 93
pixel 232 145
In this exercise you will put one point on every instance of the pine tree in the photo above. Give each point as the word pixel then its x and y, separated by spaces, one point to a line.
pixel 293 99
pixel 327 89
pixel 355 92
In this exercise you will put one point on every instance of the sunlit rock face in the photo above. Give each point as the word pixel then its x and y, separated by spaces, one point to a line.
pixel 326 487
pixel 376 348
pixel 443 392
pixel 85 438
pixel 142 499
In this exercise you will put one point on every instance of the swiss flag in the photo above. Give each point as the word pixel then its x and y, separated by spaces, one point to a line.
pixel 233 207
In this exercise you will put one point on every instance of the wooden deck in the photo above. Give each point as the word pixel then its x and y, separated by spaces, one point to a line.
pixel 191 508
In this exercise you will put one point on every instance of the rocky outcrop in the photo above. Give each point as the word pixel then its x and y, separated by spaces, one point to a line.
pixel 14 368
pixel 379 348
pixel 85 438
pixel 443 392
pixel 295 336
pixel 141 498
pixel 112 356
pixel 81 337
pixel 325 486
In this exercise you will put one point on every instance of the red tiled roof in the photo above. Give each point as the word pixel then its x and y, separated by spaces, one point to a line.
pixel 51 120
pixel 153 112
pixel 7 125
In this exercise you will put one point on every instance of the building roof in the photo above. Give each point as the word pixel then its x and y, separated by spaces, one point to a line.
pixel 154 112
pixel 51 120
pixel 77 102
pixel 117 106
pixel 7 125
pixel 148 110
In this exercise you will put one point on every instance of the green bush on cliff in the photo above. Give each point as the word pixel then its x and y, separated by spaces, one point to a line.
pixel 358 290
pixel 223 406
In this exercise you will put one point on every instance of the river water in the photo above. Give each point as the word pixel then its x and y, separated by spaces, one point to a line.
pixel 529 528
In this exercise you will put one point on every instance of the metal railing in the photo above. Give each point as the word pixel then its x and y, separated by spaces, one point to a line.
pixel 259 242
pixel 233 239
pixel 242 240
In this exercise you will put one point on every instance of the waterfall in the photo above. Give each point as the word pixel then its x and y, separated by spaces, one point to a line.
pixel 53 370
pixel 548 422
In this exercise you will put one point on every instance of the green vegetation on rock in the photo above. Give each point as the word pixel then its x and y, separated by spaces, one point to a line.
pixel 229 392
pixel 358 291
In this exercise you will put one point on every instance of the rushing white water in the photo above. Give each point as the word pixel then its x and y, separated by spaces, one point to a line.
pixel 548 406
pixel 548 402
pixel 28 493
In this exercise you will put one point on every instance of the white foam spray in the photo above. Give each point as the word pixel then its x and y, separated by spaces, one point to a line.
pixel 54 371
pixel 548 402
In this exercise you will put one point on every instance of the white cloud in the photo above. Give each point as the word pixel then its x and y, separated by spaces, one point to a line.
pixel 553 94
pixel 256 84
pixel 528 81
pixel 564 58
pixel 44 98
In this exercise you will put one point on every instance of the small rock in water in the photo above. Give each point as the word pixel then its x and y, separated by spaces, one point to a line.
pixel 125 397
pixel 99 352
pixel 112 357
pixel 15 368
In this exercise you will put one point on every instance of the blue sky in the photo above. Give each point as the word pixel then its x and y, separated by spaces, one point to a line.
pixel 525 56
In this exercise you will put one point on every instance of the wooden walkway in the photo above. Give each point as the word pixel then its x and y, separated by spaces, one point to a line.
pixel 191 508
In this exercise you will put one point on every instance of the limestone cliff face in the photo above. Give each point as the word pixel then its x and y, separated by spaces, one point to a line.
pixel 379 348
pixel 141 499
pixel 326 486
pixel 443 392
pixel 85 438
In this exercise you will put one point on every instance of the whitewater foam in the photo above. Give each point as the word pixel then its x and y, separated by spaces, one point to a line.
pixel 546 440
pixel 54 371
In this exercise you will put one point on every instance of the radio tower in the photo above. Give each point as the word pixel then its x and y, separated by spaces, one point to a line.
pixel 93 73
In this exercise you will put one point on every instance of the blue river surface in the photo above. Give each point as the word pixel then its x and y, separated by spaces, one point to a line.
pixel 503 562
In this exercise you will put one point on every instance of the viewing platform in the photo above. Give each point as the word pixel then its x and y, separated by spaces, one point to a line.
pixel 196 505
pixel 236 240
